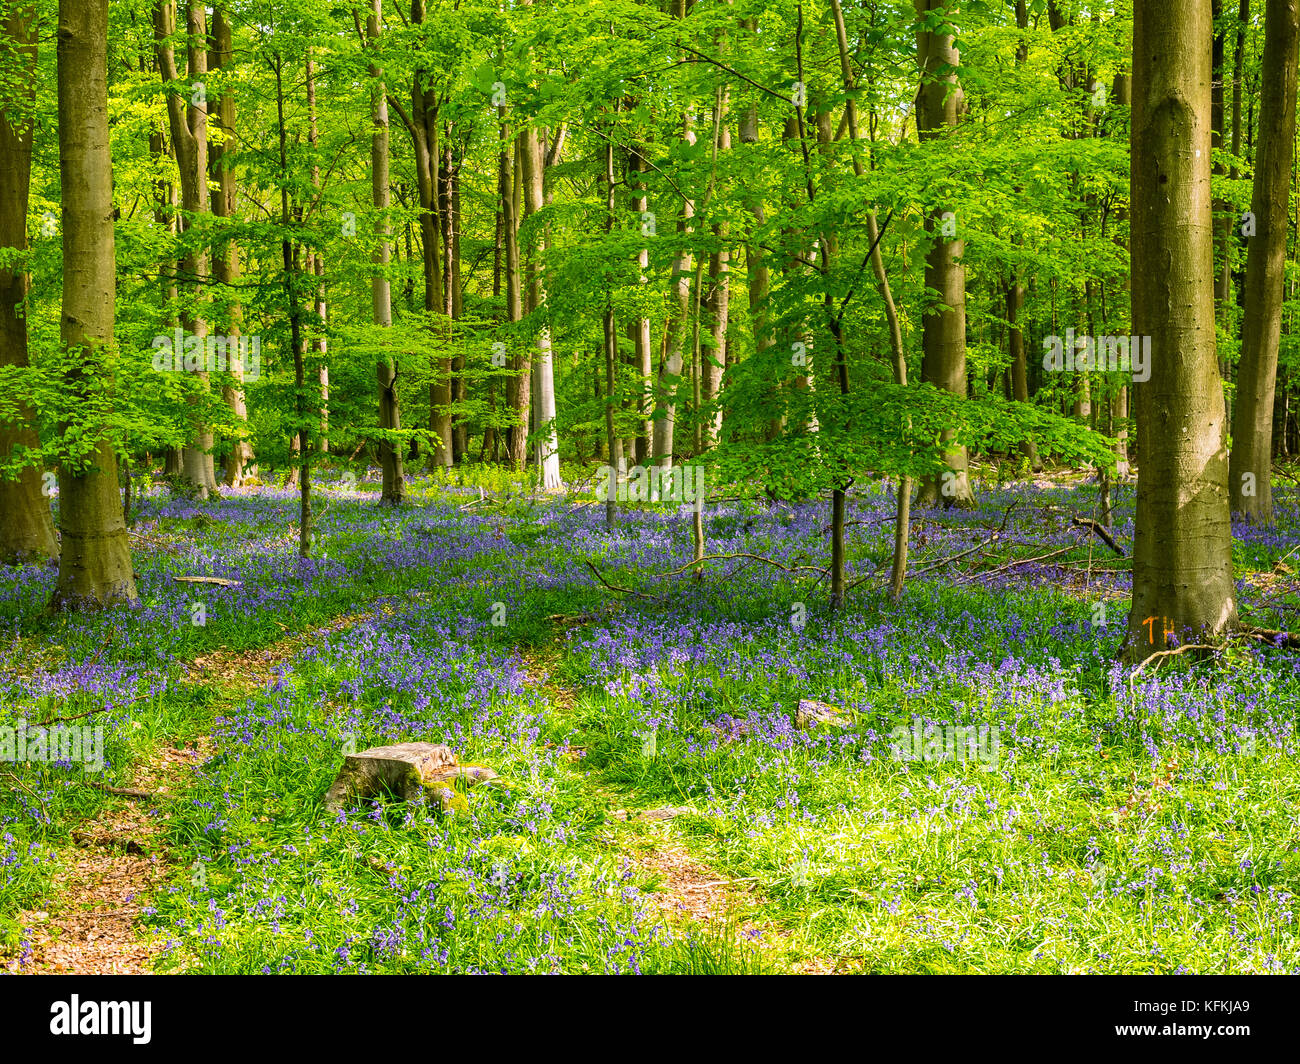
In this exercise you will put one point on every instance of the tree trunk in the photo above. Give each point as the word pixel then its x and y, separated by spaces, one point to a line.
pixel 291 263
pixel 26 525
pixel 939 103
pixel 1250 475
pixel 640 327
pixel 393 489
pixel 521 383
pixel 95 560
pixel 533 165
pixel 1182 551
pixel 425 106
pixel 187 112
pixel 225 262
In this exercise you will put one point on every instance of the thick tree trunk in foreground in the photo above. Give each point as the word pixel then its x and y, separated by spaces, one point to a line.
pixel 26 526
pixel 944 328
pixel 1182 551
pixel 1249 478
pixel 95 561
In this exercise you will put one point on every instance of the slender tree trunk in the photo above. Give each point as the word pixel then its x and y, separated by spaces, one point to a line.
pixel 291 262
pixel 425 105
pixel 393 489
pixel 612 441
pixel 521 383
pixel 187 112
pixel 26 525
pixel 225 261
pixel 1182 552
pixel 640 327
pixel 1250 475
pixel 95 559
pixel 534 175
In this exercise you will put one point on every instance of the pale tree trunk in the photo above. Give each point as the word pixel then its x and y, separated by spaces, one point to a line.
pixel 393 489
pixel 643 353
pixel 521 382
pixel 611 343
pixel 187 112
pixel 225 261
pixel 939 103
pixel 1182 551
pixel 1250 474
pixel 534 174
pixel 26 526
pixel 715 359
pixel 670 365
pixel 95 560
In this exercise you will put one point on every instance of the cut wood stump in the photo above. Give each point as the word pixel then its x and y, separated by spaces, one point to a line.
pixel 413 771
pixel 811 713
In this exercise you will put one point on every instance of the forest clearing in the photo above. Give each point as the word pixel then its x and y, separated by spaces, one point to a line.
pixel 707 487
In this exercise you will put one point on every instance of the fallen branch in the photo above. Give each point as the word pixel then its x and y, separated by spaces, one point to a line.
pixel 1271 635
pixel 1170 653
pixel 1096 526
pixel 217 580
pixel 125 792
pixel 751 557
pixel 1016 561
pixel 77 716
pixel 620 590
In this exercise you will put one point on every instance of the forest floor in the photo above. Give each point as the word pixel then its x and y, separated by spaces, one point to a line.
pixel 664 805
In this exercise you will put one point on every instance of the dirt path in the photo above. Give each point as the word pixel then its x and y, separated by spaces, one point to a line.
pixel 119 858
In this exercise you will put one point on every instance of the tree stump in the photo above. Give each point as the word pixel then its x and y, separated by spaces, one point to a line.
pixel 811 713
pixel 412 771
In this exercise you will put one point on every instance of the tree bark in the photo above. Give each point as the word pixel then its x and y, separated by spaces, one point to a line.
pixel 1182 552
pixel 187 112
pixel 533 164
pixel 1250 474
pixel 393 488
pixel 943 364
pixel 95 559
pixel 26 525
pixel 225 257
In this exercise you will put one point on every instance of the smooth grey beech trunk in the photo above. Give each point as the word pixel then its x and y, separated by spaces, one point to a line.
pixel 95 560
pixel 1182 550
